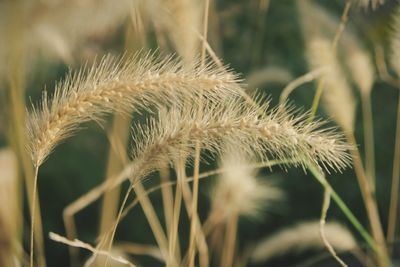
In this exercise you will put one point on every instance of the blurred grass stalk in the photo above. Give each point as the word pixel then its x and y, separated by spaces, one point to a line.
pixel 10 210
pixel 135 40
pixel 17 134
pixel 393 208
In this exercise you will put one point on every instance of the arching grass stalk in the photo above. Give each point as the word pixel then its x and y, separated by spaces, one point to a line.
pixel 349 215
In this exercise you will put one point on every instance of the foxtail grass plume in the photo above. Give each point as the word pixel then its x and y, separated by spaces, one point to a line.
pixel 238 192
pixel 120 85
pixel 301 237
pixel 234 122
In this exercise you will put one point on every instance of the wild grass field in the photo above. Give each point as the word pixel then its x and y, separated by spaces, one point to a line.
pixel 187 133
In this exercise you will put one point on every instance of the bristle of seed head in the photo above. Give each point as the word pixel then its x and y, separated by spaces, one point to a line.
pixel 122 85
pixel 234 122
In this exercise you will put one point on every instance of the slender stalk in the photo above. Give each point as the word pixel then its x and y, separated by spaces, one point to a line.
pixel 200 236
pixel 369 139
pixel 230 241
pixel 383 259
pixel 308 77
pixel 193 226
pixel 168 198
pixel 343 207
pixel 114 229
pixel 325 207
pixel 369 200
pixel 258 39
pixel 394 194
pixel 343 21
pixel 33 213
pixel 173 237
pixel 205 30
pixel 117 158
pixel 141 249
pixel 17 135
pixel 317 97
pixel 96 192
pixel 152 218
pixel 205 175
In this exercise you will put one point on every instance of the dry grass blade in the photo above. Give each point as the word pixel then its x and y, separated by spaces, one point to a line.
pixel 141 249
pixel 118 85
pixel 79 244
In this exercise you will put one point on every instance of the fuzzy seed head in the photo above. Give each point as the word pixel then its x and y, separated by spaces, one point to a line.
pixel 238 191
pixel 233 122
pixel 122 86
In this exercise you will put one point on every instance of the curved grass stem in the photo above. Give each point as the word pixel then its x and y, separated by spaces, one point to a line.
pixel 383 258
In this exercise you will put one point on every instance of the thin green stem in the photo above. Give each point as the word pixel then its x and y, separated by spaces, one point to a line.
pixel 116 222
pixel 316 99
pixel 382 256
pixel 343 207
